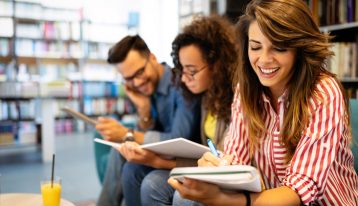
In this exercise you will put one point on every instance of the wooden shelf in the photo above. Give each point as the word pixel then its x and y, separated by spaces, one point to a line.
pixel 33 60
pixel 350 82
pixel 18 145
pixel 338 27
pixel 49 39
pixel 96 61
pixel 18 120
pixel 36 21
pixel 101 97
pixel 16 98
pixel 5 59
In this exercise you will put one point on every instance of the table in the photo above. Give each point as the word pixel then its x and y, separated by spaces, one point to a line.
pixel 26 199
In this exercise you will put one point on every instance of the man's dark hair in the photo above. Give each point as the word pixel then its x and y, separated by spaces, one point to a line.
pixel 120 50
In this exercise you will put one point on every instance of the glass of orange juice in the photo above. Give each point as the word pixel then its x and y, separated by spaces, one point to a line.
pixel 51 192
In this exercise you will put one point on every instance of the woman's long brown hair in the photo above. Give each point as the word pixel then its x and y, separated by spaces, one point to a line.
pixel 287 24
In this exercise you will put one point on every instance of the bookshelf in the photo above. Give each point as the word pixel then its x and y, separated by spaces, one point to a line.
pixel 340 19
pixel 188 9
pixel 231 9
pixel 50 56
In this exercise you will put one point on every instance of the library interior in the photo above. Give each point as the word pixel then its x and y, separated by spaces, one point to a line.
pixel 53 54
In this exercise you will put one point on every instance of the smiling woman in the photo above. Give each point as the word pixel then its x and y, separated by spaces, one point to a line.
pixel 290 115
pixel 273 65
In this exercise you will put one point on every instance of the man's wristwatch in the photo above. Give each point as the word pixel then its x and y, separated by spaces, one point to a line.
pixel 130 135
pixel 145 119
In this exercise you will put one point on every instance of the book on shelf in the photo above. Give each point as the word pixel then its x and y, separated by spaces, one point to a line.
pixel 344 61
pixel 330 12
pixel 7 134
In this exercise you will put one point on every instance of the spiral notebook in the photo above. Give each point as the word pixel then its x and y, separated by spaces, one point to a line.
pixel 234 177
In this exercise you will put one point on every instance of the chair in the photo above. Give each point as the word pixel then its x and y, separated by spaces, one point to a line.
pixel 354 123
pixel 101 153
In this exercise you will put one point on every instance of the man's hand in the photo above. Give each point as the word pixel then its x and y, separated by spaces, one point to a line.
pixel 111 129
pixel 133 153
pixel 140 101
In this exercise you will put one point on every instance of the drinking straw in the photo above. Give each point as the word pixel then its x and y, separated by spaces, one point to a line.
pixel 53 168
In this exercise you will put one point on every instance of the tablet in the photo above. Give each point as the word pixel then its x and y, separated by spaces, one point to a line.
pixel 80 116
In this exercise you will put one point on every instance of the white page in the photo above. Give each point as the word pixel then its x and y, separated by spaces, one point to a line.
pixel 178 147
pixel 235 177
pixel 109 143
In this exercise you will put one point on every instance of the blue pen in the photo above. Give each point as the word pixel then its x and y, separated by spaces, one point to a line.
pixel 212 148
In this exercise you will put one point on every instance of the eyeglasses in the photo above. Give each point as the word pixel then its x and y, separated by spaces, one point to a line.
pixel 189 75
pixel 138 74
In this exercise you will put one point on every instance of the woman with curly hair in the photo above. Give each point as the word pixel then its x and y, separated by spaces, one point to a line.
pixel 205 56
pixel 290 116
pixel 205 59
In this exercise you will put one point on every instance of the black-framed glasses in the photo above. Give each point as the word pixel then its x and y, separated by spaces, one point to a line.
pixel 138 74
pixel 189 75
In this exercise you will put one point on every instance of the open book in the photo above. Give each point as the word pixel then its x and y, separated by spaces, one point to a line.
pixel 178 147
pixel 234 177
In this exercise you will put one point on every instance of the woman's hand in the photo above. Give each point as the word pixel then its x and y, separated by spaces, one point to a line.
pixel 196 190
pixel 208 159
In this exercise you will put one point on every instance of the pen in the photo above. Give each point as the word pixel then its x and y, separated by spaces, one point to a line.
pixel 212 148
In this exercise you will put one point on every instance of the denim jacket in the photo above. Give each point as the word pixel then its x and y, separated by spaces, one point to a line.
pixel 175 117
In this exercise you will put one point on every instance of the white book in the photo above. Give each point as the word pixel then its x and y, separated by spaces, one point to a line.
pixel 178 147
pixel 234 177
pixel 109 143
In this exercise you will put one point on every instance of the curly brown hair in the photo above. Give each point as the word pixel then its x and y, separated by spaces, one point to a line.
pixel 215 37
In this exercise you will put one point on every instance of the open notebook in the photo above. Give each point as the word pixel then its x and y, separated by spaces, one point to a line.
pixel 234 177
pixel 178 147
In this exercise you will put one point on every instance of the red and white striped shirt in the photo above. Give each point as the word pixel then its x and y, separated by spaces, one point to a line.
pixel 321 170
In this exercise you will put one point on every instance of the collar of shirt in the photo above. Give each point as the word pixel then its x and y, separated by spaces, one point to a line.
pixel 282 98
pixel 164 82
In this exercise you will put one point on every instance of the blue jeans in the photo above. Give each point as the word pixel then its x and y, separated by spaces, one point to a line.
pixel 132 177
pixel 144 185
pixel 111 193
pixel 179 201
pixel 155 189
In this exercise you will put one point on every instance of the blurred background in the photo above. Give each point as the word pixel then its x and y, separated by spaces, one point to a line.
pixel 53 54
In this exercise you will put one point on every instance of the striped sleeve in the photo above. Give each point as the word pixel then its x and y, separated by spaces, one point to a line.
pixel 323 145
pixel 236 140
